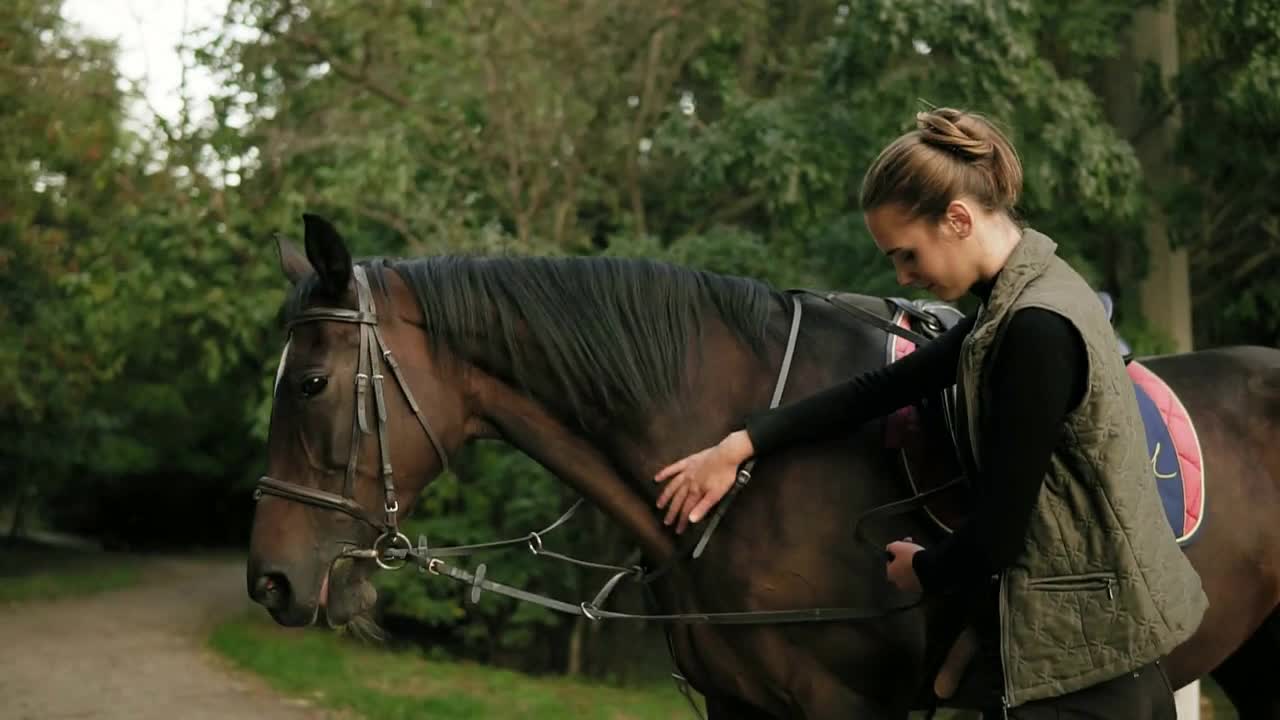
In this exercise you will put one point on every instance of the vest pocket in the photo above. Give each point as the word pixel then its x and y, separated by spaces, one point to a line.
pixel 1070 583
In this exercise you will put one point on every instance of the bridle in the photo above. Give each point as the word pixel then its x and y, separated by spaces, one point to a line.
pixel 373 354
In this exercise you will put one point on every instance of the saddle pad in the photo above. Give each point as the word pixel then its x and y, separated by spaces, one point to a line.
pixel 1172 444
pixel 1174 449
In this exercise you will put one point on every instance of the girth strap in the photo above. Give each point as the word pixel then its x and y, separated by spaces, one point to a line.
pixel 744 472
pixel 688 545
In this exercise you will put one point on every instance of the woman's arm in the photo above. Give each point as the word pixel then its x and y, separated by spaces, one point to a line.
pixel 873 394
pixel 694 484
pixel 1038 376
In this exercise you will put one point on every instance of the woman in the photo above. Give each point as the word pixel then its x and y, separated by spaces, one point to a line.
pixel 1079 586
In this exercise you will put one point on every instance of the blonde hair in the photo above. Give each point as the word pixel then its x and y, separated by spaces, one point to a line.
pixel 949 154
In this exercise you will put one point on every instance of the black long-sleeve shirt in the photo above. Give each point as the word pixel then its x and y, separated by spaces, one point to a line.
pixel 1037 377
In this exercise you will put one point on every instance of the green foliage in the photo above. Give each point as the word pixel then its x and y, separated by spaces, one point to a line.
pixel 56 164
pixel 1224 207
pixel 133 296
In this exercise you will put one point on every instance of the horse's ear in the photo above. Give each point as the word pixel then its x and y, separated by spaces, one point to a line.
pixel 294 264
pixel 328 254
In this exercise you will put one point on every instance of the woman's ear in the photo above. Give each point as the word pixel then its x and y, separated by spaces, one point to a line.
pixel 958 219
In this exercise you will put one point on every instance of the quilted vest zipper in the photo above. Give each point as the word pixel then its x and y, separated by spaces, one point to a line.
pixel 1004 645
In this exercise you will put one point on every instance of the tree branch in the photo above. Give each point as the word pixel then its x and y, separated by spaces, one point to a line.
pixel 391 220
pixel 356 76
pixel 733 210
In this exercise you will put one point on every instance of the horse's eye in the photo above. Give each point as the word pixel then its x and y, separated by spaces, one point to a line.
pixel 312 386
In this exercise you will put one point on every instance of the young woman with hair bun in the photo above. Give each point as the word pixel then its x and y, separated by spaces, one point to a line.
pixel 1073 584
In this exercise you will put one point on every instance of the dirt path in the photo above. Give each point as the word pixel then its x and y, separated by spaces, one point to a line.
pixel 136 653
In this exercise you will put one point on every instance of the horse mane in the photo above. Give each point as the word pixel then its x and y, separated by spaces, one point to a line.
pixel 614 333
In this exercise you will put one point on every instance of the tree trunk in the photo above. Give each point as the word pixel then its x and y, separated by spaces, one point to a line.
pixel 1165 292
pixel 574 666
pixel 19 510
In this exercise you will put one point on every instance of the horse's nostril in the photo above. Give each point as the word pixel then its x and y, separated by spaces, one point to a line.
pixel 271 590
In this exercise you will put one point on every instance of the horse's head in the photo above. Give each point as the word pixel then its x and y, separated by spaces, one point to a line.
pixel 332 496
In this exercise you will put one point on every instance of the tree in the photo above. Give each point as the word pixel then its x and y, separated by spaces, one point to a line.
pixel 1223 209
pixel 1159 268
pixel 127 301
pixel 60 117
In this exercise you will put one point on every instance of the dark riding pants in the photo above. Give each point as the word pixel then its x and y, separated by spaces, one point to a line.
pixel 1144 694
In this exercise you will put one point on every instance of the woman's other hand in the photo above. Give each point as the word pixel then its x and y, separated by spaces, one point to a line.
pixel 900 570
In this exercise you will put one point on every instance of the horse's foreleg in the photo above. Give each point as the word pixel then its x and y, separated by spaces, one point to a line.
pixel 1248 676
pixel 726 708
pixel 795 686
pixel 817 694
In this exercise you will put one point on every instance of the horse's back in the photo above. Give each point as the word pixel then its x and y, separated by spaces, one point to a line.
pixel 1228 358
pixel 1232 395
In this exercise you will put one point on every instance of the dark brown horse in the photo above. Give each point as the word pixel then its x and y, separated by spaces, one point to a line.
pixel 604 371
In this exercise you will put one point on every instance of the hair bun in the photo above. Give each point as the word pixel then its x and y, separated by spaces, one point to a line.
pixel 951 153
pixel 957 132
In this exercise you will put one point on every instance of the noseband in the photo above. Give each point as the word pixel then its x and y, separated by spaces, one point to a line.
pixel 370 369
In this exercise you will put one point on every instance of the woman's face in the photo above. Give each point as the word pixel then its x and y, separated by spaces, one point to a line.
pixel 935 256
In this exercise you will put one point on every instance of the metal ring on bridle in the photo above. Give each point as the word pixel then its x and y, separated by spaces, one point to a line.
pixel 379 553
pixel 535 543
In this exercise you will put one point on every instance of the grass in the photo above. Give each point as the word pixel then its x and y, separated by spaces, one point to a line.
pixel 32 573
pixel 1214 704
pixel 325 669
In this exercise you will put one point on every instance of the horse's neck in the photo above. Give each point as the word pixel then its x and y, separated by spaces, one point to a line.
pixel 725 381
pixel 532 428
pixel 612 463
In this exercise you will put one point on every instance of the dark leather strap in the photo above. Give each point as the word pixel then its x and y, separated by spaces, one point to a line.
pixel 694 543
pixel 413 403
pixel 316 498
pixel 744 473
pixel 865 315
pixel 336 315
pixel 592 611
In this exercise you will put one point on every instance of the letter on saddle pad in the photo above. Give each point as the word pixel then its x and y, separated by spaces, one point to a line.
pixel 1172 445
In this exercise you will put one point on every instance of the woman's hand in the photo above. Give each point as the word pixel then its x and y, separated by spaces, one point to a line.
pixel 696 483
pixel 900 570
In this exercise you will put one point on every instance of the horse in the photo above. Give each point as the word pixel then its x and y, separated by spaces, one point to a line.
pixel 604 370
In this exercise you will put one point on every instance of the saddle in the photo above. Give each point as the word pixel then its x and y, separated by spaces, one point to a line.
pixel 926 434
